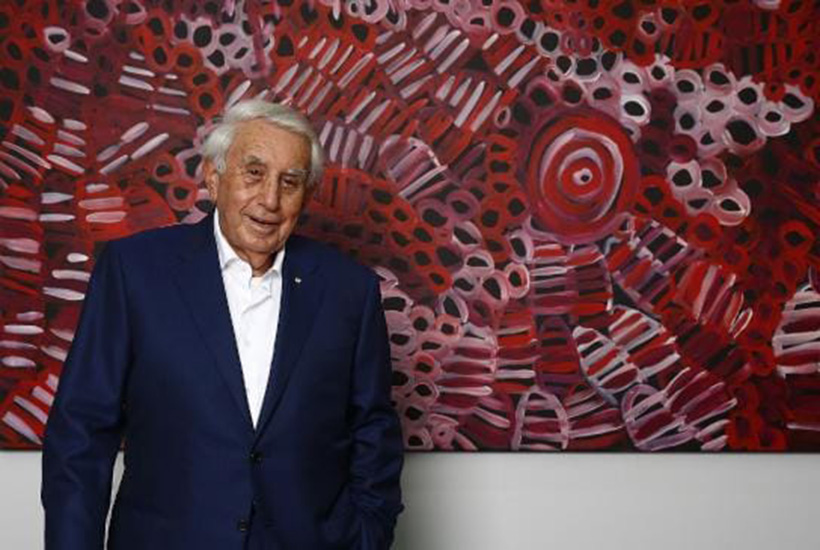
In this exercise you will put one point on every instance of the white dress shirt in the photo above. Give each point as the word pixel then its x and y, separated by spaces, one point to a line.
pixel 254 303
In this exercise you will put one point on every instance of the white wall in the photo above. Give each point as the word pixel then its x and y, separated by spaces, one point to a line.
pixel 566 502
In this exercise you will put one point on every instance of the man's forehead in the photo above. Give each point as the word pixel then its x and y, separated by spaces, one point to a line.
pixel 258 127
pixel 251 159
pixel 253 143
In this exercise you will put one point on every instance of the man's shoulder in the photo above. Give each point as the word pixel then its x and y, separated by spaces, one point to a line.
pixel 330 259
pixel 156 241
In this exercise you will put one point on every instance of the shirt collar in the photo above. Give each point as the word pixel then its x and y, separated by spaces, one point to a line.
pixel 230 262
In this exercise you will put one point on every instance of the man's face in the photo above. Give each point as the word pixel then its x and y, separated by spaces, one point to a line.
pixel 262 191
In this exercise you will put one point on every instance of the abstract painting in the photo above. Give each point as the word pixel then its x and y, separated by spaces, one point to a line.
pixel 596 223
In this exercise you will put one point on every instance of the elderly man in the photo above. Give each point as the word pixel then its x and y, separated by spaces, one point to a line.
pixel 247 369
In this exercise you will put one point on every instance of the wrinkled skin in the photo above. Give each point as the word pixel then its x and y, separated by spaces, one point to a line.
pixel 262 191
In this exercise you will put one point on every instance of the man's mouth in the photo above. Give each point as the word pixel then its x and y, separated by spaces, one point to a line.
pixel 263 225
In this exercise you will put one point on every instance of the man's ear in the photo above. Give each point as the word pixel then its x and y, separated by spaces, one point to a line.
pixel 211 178
pixel 309 195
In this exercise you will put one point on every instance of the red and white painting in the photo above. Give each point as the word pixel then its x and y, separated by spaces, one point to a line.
pixel 596 223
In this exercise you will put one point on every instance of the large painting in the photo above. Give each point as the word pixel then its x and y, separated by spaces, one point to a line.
pixel 596 223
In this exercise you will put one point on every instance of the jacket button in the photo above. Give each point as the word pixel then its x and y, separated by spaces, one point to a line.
pixel 256 457
pixel 242 525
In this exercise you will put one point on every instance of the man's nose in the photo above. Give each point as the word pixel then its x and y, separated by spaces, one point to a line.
pixel 270 194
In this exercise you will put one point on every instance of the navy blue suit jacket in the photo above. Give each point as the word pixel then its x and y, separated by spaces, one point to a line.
pixel 154 360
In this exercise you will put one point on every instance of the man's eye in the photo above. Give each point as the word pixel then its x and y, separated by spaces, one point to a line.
pixel 292 182
pixel 255 172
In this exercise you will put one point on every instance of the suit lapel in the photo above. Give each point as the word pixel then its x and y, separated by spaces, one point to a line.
pixel 302 290
pixel 199 279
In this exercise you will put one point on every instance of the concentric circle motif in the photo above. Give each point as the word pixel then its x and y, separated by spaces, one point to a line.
pixel 582 175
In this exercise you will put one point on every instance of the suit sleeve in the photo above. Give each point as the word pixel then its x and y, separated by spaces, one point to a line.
pixel 84 429
pixel 377 456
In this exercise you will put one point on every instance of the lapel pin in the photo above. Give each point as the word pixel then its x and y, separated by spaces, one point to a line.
pixel 297 280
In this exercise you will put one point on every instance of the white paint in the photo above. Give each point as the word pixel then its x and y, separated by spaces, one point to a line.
pixel 567 501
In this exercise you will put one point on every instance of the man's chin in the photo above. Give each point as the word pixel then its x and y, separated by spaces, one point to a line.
pixel 266 246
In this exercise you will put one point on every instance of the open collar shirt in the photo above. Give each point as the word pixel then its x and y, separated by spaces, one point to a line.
pixel 254 304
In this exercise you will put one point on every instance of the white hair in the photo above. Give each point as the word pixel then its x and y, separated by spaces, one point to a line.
pixel 219 140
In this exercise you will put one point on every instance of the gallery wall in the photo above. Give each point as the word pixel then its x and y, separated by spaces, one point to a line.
pixel 546 501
